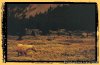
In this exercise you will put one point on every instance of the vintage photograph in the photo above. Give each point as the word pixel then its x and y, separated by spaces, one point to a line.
pixel 51 32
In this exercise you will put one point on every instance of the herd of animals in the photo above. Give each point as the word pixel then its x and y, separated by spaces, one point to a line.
pixel 22 49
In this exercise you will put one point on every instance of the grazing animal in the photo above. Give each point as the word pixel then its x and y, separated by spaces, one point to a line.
pixel 22 49
pixel 84 34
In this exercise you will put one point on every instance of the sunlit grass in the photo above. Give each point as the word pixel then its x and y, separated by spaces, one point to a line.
pixel 54 50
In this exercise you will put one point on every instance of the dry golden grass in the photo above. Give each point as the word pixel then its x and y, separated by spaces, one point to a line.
pixel 59 49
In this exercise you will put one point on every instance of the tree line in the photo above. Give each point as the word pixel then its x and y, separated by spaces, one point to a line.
pixel 80 17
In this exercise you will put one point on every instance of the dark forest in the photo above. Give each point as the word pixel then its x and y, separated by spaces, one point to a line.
pixel 75 17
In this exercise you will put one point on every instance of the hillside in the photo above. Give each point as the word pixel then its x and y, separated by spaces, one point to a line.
pixel 77 17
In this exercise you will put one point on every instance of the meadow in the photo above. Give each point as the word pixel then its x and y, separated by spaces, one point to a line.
pixel 61 48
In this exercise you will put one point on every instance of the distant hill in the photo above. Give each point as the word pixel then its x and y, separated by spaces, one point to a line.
pixel 72 17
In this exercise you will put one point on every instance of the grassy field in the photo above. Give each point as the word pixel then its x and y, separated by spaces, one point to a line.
pixel 61 48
